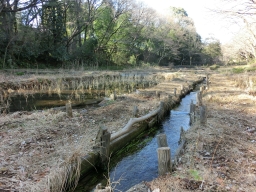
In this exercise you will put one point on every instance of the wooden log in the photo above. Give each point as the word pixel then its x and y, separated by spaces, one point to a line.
pixel 203 115
pixel 128 126
pixel 164 160
pixel 161 140
pixel 69 109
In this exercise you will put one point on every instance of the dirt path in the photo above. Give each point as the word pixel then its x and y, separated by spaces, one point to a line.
pixel 37 147
pixel 220 156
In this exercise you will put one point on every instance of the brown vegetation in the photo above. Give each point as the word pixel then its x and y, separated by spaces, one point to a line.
pixel 221 155
pixel 37 148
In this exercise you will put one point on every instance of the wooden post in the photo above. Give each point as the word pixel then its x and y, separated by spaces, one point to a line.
pixel 192 112
pixel 169 98
pixel 199 98
pixel 104 138
pixel 135 111
pixel 207 81
pixel 170 103
pixel 69 109
pixel 203 115
pixel 161 140
pixel 113 96
pixel 202 89
pixel 192 107
pixel 174 92
pixel 158 95
pixel 161 112
pixel 182 134
pixel 1 98
pixel 181 89
pixel 164 160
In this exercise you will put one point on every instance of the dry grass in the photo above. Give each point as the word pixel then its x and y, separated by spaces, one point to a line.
pixel 39 147
pixel 220 156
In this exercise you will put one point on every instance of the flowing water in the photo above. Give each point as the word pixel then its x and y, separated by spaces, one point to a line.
pixel 143 164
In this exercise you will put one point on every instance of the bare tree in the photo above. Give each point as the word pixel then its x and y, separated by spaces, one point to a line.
pixel 243 14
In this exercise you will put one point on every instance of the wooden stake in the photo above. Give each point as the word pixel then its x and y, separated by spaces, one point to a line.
pixel 158 95
pixel 202 88
pixel 113 96
pixel 174 92
pixel 104 146
pixel 203 115
pixel 182 134
pixel 199 98
pixel 69 109
pixel 207 81
pixel 161 112
pixel 164 160
pixel 192 112
pixel 161 140
pixel 182 89
pixel 1 98
pixel 135 111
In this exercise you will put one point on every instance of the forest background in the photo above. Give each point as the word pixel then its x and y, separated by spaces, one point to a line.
pixel 98 34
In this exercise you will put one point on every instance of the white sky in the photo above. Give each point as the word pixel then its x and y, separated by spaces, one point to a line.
pixel 207 24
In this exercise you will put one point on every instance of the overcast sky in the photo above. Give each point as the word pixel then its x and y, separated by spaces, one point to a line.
pixel 207 24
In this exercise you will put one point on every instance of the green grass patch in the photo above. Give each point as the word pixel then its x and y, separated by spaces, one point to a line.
pixel 195 174
pixel 238 70
pixel 214 67
pixel 251 69
pixel 20 73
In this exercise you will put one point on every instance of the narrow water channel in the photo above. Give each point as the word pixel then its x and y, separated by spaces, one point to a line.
pixel 143 164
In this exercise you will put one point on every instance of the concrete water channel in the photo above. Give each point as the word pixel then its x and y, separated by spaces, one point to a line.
pixel 138 161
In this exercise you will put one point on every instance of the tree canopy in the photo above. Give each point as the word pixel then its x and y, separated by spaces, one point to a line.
pixel 94 33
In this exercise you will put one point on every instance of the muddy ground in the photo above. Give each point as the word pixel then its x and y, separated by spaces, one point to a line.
pixel 37 147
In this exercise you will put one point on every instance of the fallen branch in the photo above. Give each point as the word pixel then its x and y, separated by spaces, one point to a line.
pixel 128 126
